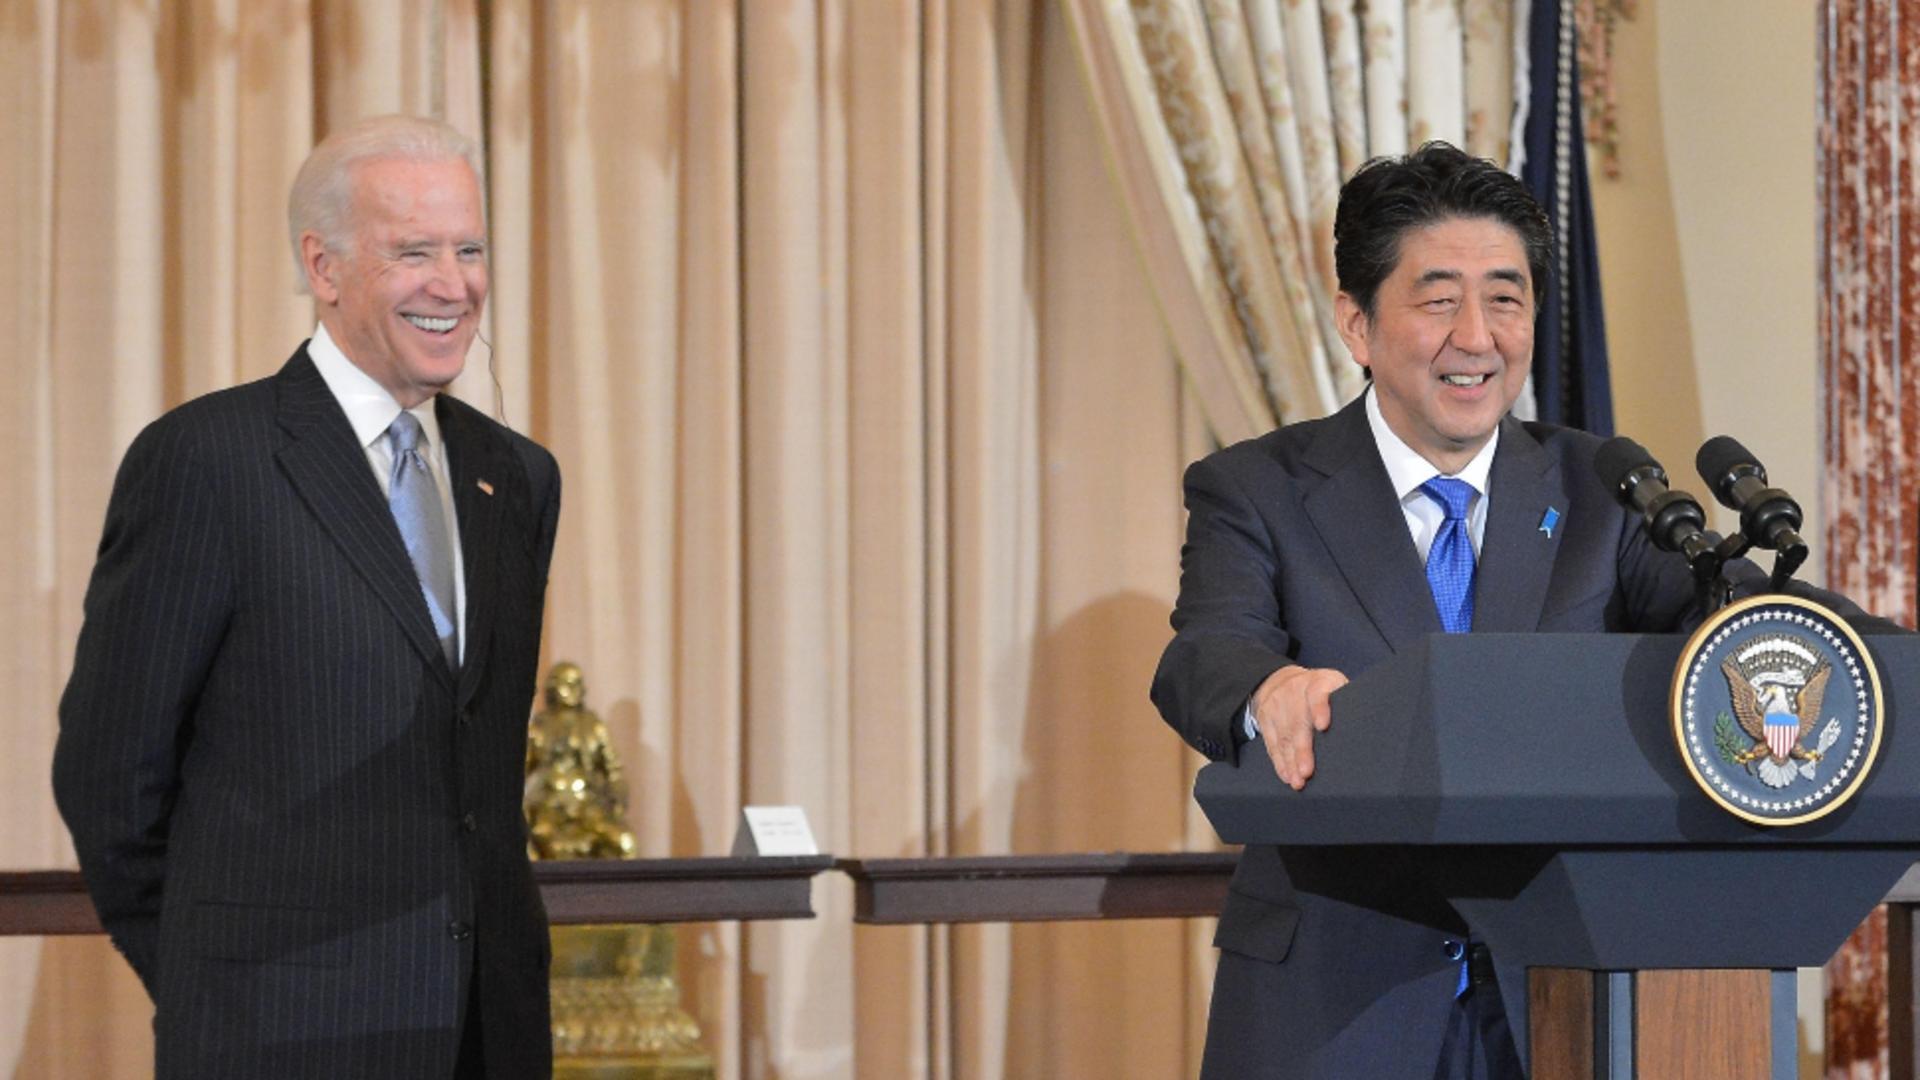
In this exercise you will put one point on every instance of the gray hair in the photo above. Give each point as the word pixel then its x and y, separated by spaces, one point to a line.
pixel 321 201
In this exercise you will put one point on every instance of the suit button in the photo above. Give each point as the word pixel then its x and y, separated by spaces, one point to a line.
pixel 1454 949
pixel 459 931
pixel 466 718
pixel 468 822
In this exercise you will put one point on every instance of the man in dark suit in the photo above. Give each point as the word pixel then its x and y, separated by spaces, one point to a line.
pixel 1323 548
pixel 290 752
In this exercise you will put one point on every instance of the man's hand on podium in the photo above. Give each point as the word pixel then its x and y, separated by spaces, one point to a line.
pixel 1289 707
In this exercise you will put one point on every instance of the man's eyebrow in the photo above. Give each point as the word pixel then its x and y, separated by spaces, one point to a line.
pixel 1505 273
pixel 411 243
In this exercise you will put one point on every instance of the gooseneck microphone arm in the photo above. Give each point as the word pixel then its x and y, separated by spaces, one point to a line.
pixel 1769 517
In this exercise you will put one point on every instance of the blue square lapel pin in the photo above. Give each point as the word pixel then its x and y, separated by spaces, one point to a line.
pixel 1548 520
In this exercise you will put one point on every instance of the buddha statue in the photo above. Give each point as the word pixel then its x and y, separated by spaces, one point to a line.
pixel 616 997
pixel 576 794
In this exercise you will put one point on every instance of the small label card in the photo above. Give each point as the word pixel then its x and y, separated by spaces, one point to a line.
pixel 774 830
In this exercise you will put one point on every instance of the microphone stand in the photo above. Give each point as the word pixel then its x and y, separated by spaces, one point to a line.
pixel 1715 590
pixel 1785 561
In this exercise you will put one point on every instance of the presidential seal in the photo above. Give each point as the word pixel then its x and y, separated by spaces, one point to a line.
pixel 1776 707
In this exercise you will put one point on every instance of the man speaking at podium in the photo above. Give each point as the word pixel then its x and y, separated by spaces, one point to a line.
pixel 1320 549
pixel 290 752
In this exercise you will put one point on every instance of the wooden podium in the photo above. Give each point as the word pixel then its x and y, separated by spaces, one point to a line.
pixel 1657 934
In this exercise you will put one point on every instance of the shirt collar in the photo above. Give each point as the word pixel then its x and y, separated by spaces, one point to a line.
pixel 1408 470
pixel 369 408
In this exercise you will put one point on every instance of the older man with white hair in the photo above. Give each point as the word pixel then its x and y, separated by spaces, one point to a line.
pixel 290 750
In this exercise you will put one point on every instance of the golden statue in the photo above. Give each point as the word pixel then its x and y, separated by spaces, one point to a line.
pixel 616 1001
pixel 576 794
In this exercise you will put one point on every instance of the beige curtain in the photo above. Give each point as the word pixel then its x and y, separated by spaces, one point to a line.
pixel 870 428
pixel 1232 123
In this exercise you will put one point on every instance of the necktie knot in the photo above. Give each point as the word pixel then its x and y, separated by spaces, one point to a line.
pixel 404 433
pixel 1454 496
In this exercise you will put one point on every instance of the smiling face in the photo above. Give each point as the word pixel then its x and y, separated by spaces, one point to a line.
pixel 1451 337
pixel 404 301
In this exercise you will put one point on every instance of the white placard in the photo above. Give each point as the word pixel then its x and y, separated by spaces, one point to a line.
pixel 774 830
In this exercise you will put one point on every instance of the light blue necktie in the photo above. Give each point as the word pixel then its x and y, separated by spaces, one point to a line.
pixel 1450 559
pixel 415 501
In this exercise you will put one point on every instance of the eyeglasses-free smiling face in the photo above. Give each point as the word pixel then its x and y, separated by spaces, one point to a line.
pixel 1451 337
pixel 404 302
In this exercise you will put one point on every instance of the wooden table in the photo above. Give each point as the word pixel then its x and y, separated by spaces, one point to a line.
pixel 34 902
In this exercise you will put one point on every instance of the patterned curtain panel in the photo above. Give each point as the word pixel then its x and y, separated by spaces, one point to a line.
pixel 1570 381
pixel 830 342
pixel 1231 124
pixel 1869 292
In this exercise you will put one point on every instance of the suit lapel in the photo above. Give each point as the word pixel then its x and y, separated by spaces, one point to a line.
pixel 329 471
pixel 1361 522
pixel 482 482
pixel 1516 553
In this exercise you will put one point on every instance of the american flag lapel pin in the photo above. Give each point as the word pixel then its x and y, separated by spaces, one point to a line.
pixel 1548 520
pixel 484 486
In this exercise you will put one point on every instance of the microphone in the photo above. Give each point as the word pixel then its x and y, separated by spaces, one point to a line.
pixel 1675 520
pixel 1768 516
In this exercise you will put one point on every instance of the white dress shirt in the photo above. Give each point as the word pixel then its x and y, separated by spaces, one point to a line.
pixel 371 410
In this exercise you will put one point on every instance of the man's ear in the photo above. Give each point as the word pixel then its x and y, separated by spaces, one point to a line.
pixel 1352 323
pixel 321 266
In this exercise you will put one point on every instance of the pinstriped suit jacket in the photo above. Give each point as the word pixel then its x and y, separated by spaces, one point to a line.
pixel 300 827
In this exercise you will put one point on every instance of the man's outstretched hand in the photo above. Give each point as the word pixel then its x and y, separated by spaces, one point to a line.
pixel 1290 707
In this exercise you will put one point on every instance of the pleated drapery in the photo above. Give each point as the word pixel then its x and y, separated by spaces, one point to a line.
pixel 1571 379
pixel 871 433
pixel 1869 63
pixel 1231 126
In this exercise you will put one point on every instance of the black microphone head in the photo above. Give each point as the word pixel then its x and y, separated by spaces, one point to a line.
pixel 1617 459
pixel 1768 515
pixel 1720 457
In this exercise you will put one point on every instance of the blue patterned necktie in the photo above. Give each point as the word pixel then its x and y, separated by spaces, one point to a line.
pixel 415 501
pixel 1450 559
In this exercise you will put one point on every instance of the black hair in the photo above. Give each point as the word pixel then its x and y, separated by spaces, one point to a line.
pixel 1391 196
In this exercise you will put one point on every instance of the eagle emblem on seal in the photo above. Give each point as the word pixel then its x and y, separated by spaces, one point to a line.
pixel 1777 687
pixel 1777 709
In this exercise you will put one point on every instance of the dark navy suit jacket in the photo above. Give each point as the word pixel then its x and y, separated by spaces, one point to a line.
pixel 1298 552
pixel 299 825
